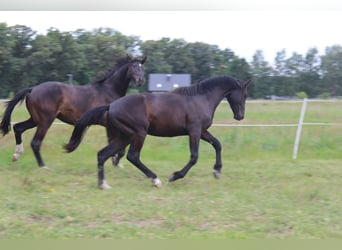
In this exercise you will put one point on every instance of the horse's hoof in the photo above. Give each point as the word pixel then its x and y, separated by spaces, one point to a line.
pixel 119 165
pixel 116 162
pixel 157 183
pixel 15 156
pixel 104 186
pixel 217 174
pixel 19 150
pixel 174 176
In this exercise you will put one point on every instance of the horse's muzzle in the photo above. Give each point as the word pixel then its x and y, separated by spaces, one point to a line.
pixel 139 81
pixel 238 117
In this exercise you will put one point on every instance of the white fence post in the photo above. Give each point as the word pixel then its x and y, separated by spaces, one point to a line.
pixel 299 129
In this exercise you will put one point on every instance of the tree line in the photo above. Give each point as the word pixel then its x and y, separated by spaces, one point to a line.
pixel 28 58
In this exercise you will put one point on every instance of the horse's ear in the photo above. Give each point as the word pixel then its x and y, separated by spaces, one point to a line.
pixel 247 83
pixel 128 58
pixel 143 60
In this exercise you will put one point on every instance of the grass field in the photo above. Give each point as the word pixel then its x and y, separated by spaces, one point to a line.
pixel 262 193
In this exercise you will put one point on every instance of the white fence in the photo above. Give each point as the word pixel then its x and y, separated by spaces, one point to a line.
pixel 299 125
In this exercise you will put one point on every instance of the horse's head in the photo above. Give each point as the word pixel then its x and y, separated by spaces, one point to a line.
pixel 136 70
pixel 237 99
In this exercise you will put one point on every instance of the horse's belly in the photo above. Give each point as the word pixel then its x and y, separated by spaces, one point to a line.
pixel 166 131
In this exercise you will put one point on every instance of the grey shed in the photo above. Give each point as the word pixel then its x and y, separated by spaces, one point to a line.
pixel 167 82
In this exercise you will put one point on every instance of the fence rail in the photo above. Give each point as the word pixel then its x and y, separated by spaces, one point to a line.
pixel 299 125
pixel 276 125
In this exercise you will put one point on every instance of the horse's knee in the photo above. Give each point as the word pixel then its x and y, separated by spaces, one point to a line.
pixel 19 128
pixel 35 145
pixel 193 159
pixel 101 159
pixel 218 146
pixel 15 128
pixel 133 158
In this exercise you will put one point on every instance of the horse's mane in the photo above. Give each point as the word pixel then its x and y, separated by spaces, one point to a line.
pixel 205 86
pixel 119 63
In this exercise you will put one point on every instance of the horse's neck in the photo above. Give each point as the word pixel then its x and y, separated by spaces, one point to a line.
pixel 215 96
pixel 117 84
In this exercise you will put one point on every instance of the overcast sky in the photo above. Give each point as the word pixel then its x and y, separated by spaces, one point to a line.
pixel 242 31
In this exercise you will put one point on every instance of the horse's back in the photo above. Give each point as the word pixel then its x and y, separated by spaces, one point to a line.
pixel 55 99
pixel 48 90
pixel 54 91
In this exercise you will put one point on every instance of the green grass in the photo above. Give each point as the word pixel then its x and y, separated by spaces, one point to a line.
pixel 262 193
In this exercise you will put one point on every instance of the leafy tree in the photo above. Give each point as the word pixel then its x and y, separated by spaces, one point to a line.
pixel 332 70
pixel 16 47
pixel 177 55
pixel 155 50
pixel 99 48
pixel 280 67
pixel 240 68
pixel 222 59
pixel 310 74
pixel 54 56
pixel 6 44
pixel 283 80
pixel 262 75
pixel 27 59
pixel 203 60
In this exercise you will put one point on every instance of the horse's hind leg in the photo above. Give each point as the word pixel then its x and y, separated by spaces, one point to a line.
pixel 37 142
pixel 20 128
pixel 116 158
pixel 133 156
pixel 110 150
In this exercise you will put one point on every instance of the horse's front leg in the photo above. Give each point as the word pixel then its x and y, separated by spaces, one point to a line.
pixel 206 136
pixel 194 145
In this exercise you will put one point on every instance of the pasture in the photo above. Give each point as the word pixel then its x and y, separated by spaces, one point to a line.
pixel 262 192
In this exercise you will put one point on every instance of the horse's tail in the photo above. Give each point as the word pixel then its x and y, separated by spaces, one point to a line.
pixel 5 125
pixel 93 116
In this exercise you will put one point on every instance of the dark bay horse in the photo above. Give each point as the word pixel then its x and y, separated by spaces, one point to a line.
pixel 185 111
pixel 67 102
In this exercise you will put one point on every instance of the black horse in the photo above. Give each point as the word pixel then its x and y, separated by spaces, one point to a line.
pixel 67 102
pixel 185 111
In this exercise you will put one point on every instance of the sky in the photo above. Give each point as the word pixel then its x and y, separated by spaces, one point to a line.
pixel 242 31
